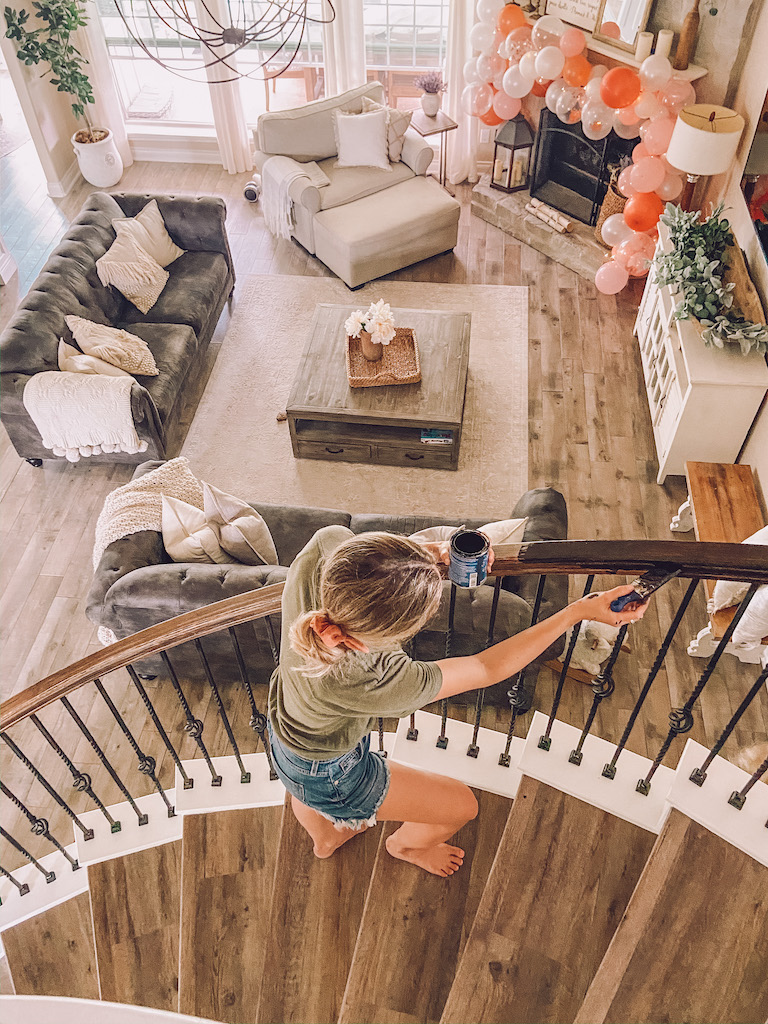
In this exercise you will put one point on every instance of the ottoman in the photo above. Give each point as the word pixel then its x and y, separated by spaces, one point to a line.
pixel 387 231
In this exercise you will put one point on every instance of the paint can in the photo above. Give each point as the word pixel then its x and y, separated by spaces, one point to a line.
pixel 468 566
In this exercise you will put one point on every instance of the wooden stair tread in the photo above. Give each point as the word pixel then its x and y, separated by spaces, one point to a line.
pixel 52 954
pixel 228 868
pixel 414 927
pixel 135 902
pixel 317 906
pixel 693 943
pixel 563 874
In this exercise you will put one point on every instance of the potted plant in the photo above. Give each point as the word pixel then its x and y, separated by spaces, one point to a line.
pixel 51 43
pixel 432 87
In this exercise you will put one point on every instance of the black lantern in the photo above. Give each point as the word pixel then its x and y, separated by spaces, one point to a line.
pixel 512 156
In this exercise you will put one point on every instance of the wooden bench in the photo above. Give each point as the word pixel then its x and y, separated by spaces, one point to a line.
pixel 722 507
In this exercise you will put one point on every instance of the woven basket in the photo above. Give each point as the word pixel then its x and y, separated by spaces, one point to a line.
pixel 614 202
pixel 399 363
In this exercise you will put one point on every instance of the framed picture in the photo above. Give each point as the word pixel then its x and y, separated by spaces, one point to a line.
pixel 581 13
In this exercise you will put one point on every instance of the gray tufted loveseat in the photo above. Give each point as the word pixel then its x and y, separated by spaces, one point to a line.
pixel 136 585
pixel 177 329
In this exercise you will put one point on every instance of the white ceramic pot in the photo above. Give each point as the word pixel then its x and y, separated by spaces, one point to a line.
pixel 100 162
pixel 430 103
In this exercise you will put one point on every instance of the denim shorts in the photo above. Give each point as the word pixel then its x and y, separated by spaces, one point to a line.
pixel 347 790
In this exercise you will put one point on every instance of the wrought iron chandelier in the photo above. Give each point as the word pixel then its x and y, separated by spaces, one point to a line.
pixel 222 28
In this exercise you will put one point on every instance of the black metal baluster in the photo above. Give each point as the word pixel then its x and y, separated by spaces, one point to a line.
pixel 188 783
pixel 382 751
pixel 442 739
pixel 473 749
pixel 244 775
pixel 39 825
pixel 81 781
pixel 602 687
pixel 273 644
pixel 86 832
pixel 545 741
pixel 738 798
pixel 258 720
pixel 21 886
pixel 681 719
pixel 609 771
pixel 699 775
pixel 103 758
pixel 49 876
pixel 515 693
pixel 146 762
pixel 410 650
pixel 194 727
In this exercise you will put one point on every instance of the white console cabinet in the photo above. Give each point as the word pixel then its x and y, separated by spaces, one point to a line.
pixel 702 400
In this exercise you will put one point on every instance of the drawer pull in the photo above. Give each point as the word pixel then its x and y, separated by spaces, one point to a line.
pixel 414 458
pixel 334 451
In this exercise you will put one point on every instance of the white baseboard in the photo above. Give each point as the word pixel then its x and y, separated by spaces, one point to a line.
pixel 61 188
pixel 187 146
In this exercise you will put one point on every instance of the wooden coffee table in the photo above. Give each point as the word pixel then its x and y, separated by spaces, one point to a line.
pixel 329 420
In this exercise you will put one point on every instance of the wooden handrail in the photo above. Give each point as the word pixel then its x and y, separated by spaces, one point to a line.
pixel 746 562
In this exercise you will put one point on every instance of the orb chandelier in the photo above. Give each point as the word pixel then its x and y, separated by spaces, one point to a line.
pixel 220 29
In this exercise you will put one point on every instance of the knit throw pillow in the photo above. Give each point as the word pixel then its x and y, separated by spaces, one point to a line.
pixel 397 125
pixel 148 230
pixel 72 361
pixel 120 348
pixel 127 267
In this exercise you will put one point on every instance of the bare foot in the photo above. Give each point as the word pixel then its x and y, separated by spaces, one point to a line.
pixel 441 860
pixel 327 847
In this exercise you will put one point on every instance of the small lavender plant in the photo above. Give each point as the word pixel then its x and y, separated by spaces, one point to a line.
pixel 430 82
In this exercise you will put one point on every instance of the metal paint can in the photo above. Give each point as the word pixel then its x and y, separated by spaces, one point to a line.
pixel 469 558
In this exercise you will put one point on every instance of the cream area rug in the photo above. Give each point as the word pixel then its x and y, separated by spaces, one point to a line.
pixel 236 442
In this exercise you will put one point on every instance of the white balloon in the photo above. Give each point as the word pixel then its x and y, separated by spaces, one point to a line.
pixel 655 72
pixel 552 95
pixel 516 84
pixel 488 10
pixel 549 62
pixel 598 71
pixel 489 65
pixel 481 37
pixel 596 120
pixel 470 71
pixel 528 64
pixel 615 229
pixel 569 103
pixel 592 89
pixel 624 131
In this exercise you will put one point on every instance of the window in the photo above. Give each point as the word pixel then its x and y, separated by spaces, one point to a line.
pixel 402 39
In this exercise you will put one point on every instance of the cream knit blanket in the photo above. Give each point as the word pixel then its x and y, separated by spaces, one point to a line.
pixel 277 176
pixel 82 413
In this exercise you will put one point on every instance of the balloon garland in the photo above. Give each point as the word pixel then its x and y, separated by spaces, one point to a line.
pixel 547 59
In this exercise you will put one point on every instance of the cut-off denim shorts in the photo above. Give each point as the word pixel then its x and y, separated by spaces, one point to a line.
pixel 347 790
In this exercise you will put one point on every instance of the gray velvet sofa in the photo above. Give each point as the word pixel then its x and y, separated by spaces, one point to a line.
pixel 136 586
pixel 177 329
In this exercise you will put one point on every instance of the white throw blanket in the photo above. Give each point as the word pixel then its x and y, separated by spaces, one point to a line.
pixel 277 176
pixel 82 413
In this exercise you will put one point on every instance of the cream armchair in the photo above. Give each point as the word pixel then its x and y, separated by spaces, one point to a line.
pixel 367 222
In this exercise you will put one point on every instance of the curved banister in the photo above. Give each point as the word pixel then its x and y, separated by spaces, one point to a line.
pixel 745 562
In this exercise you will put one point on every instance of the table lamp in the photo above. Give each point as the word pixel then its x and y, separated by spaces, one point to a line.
pixel 704 141
pixel 756 165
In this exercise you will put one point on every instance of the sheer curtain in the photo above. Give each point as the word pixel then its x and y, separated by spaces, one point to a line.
pixel 462 144
pixel 107 111
pixel 344 48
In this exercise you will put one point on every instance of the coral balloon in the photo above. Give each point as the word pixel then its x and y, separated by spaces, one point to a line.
pixel 596 119
pixel 676 94
pixel 510 16
pixel 611 278
pixel 528 65
pixel 614 230
pixel 552 95
pixel 547 31
pixel 656 135
pixel 639 152
pixel 619 87
pixel 649 106
pixel 572 42
pixel 624 183
pixel 549 62
pixel 515 83
pixel 610 29
pixel 491 118
pixel 476 98
pixel 655 72
pixel 518 43
pixel 648 174
pixel 506 107
pixel 627 116
pixel 570 104
pixel 482 36
pixel 540 87
pixel 643 210
pixel 577 70
pixel 670 188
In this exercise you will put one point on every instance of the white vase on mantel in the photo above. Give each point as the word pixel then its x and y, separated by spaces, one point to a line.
pixel 430 103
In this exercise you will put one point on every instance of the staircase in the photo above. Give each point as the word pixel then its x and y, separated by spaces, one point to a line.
pixel 586 895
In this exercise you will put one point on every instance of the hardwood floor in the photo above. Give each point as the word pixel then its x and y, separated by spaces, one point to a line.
pixel 590 436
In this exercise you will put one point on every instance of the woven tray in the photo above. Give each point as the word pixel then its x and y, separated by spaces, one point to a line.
pixel 399 363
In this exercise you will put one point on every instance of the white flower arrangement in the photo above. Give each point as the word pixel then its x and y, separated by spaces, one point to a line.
pixel 378 321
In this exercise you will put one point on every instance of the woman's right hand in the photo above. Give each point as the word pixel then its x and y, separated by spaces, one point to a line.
pixel 597 607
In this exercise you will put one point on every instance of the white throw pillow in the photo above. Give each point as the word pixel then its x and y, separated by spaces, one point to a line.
pixel 397 126
pixel 240 530
pixel 187 537
pixel 361 139
pixel 76 362
pixel 729 592
pixel 753 625
pixel 148 230
pixel 500 533
pixel 127 267
pixel 120 348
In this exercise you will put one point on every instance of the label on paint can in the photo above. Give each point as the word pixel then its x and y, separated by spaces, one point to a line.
pixel 469 558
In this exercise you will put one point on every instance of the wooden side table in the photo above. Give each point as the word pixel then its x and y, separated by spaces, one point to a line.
pixel 440 125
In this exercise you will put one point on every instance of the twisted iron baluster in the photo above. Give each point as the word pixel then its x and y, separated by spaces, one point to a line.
pixel 410 650
pixel 146 762
pixel 194 727
pixel 188 783
pixel 609 771
pixel 442 739
pixel 514 694
pixel 545 741
pixel 382 751
pixel 244 775
pixel 274 647
pixel 738 798
pixel 258 721
pixel 49 876
pixel 473 749
pixel 103 758
pixel 86 832
pixel 81 781
pixel 681 719
pixel 699 775
pixel 602 687
pixel 39 825
pixel 21 886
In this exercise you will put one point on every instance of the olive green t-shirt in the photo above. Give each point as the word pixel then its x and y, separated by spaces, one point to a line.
pixel 323 718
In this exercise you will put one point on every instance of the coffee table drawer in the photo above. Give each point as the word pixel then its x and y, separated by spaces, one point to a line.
pixel 341 452
pixel 425 457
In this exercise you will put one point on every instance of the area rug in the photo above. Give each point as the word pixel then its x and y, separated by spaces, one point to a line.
pixel 237 443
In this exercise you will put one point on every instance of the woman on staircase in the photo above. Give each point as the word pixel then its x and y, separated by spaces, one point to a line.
pixel 349 604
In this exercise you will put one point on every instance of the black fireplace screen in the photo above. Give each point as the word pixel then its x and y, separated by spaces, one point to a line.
pixel 570 172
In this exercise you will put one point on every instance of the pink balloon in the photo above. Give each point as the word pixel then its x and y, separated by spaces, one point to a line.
pixel 637 266
pixel 656 135
pixel 611 278
pixel 624 183
pixel 634 253
pixel 572 42
pixel 610 29
pixel 676 94
pixel 506 107
pixel 670 188
pixel 648 174
pixel 647 105
pixel 639 152
pixel 627 116
pixel 614 230
pixel 624 131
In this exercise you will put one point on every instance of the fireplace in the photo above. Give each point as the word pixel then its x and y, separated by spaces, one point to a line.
pixel 571 172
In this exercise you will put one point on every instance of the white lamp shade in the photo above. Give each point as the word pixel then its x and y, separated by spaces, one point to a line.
pixel 757 161
pixel 705 139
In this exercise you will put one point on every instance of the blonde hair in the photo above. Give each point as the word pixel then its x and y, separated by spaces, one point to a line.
pixel 379 588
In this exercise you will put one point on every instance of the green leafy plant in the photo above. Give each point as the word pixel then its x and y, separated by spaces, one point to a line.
pixel 695 270
pixel 51 43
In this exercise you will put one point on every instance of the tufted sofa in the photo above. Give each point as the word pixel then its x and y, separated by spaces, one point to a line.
pixel 136 585
pixel 177 329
